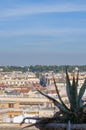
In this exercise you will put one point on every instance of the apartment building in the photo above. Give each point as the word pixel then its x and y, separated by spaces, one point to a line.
pixel 16 106
pixel 18 78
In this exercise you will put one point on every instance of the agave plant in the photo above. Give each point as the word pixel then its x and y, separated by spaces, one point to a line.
pixel 75 112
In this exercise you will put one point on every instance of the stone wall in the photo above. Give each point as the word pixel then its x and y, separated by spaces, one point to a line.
pixel 16 128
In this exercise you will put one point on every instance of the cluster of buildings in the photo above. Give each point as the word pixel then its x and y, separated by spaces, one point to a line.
pixel 19 95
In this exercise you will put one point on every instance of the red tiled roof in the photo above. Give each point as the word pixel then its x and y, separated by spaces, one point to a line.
pixel 23 90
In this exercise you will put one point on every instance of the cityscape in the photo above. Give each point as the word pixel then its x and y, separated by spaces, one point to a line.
pixel 19 97
pixel 42 64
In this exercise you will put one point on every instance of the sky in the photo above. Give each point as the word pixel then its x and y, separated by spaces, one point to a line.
pixel 45 32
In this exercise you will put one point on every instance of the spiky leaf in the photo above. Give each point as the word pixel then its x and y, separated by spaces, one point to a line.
pixel 56 103
pixel 77 78
pixel 56 87
pixel 68 88
pixel 81 92
pixel 73 94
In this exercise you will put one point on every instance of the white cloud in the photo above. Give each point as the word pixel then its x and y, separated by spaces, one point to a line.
pixel 40 8
pixel 42 32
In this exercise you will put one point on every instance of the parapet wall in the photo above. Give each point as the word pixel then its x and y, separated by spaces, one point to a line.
pixel 14 127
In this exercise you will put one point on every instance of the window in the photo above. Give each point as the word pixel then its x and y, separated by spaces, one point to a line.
pixel 11 105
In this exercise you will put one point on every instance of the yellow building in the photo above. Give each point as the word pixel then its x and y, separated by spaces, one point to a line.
pixel 12 107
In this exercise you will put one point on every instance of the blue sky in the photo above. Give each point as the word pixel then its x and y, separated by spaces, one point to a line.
pixel 47 32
